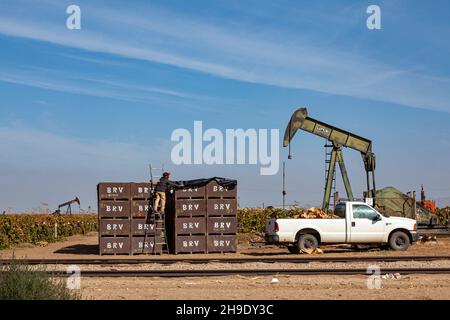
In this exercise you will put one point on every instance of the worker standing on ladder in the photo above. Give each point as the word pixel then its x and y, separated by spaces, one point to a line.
pixel 161 188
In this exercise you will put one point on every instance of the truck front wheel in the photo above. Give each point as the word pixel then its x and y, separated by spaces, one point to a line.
pixel 307 242
pixel 399 241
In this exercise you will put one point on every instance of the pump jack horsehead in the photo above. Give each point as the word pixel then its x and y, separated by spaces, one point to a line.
pixel 338 138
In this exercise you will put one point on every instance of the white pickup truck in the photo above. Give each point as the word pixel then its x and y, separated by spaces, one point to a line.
pixel 357 223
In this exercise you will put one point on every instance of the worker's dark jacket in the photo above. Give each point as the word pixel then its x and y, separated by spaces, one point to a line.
pixel 164 184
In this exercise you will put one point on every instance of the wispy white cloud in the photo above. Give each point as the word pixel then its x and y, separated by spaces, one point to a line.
pixel 93 60
pixel 49 84
pixel 141 88
pixel 239 52
pixel 94 85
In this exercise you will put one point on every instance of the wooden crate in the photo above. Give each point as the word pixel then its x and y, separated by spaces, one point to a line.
pixel 140 190
pixel 113 191
pixel 111 209
pixel 190 244
pixel 114 227
pixel 146 245
pixel 190 207
pixel 190 226
pixel 114 245
pixel 221 207
pixel 140 208
pixel 214 190
pixel 191 193
pixel 222 243
pixel 222 225
pixel 141 227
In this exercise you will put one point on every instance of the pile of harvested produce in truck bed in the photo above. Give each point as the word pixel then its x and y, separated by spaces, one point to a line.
pixel 315 213
pixel 253 220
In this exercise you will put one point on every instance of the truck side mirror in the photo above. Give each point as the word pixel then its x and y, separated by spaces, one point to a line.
pixel 376 218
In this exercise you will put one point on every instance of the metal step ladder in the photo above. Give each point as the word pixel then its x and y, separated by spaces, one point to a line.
pixel 334 194
pixel 157 218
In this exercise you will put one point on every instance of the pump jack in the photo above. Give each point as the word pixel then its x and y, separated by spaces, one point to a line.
pixel 338 138
pixel 67 204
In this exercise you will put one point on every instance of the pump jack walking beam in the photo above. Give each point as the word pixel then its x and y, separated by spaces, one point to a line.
pixel 339 138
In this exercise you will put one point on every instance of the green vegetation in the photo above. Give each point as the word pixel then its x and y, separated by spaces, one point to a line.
pixel 22 282
pixel 253 220
pixel 444 215
pixel 34 228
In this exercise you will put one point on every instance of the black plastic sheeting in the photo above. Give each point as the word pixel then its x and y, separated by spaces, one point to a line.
pixel 224 182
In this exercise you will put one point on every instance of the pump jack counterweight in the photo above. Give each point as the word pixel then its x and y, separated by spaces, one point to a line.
pixel 338 138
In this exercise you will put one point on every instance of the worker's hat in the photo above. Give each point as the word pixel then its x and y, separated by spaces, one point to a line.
pixel 166 174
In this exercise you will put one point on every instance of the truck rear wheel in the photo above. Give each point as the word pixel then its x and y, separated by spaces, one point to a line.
pixel 399 241
pixel 307 242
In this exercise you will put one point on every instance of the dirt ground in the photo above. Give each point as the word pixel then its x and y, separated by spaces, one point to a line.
pixel 247 287
pixel 86 247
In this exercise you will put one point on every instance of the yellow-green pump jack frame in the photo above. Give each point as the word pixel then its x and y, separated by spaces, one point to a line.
pixel 339 138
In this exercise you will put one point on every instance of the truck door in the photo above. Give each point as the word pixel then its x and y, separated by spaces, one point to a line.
pixel 335 230
pixel 366 226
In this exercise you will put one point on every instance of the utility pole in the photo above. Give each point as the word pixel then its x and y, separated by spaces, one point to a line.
pixel 284 185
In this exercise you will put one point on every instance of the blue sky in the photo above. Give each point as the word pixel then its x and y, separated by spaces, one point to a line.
pixel 100 103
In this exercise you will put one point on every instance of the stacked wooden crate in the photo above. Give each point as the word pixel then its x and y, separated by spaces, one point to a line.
pixel 204 219
pixel 189 220
pixel 221 208
pixel 126 225
pixel 114 218
pixel 199 219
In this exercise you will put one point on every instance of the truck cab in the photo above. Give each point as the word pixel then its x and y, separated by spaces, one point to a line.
pixel 354 223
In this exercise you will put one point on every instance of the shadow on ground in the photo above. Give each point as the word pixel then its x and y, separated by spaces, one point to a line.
pixel 79 249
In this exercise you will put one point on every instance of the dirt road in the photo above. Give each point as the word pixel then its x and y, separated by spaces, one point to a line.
pixel 288 287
